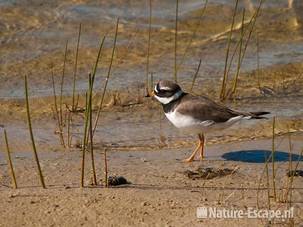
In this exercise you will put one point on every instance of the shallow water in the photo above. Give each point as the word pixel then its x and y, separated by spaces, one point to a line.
pixel 34 32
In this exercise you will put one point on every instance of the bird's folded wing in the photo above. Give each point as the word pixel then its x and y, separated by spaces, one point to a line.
pixel 204 109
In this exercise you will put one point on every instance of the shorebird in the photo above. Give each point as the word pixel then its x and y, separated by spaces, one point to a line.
pixel 197 114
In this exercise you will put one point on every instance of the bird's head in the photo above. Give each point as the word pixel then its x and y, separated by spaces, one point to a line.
pixel 167 91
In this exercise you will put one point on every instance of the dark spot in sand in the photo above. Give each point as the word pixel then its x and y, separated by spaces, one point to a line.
pixel 208 173
pixel 295 173
pixel 117 180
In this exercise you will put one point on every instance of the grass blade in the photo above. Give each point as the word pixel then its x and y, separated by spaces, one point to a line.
pixel 57 112
pixel 84 141
pixel 195 76
pixel 224 81
pixel 105 169
pixel 31 133
pixel 62 84
pixel 240 56
pixel 90 116
pixel 148 48
pixel 273 158
pixel 75 69
pixel 9 160
pixel 107 79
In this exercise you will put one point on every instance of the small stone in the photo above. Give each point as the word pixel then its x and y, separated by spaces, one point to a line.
pixel 144 203
pixel 13 195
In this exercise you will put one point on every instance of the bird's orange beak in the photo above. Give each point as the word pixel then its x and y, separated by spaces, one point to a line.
pixel 152 94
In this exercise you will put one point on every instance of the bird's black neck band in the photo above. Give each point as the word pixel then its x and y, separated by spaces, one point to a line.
pixel 169 107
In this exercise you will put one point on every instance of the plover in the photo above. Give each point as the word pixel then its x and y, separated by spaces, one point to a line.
pixel 197 114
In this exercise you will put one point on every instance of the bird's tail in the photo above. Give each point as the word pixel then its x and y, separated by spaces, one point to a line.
pixel 259 115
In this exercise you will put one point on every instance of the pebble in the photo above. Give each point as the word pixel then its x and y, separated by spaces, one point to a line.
pixel 144 203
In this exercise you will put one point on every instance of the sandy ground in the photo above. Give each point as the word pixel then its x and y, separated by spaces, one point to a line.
pixel 160 194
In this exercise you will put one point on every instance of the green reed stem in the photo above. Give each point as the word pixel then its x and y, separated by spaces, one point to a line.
pixel 69 121
pixel 273 158
pixel 57 112
pixel 84 140
pixel 267 184
pixel 105 168
pixel 62 84
pixel 9 160
pixel 252 19
pixel 256 14
pixel 107 79
pixel 224 81
pixel 31 133
pixel 90 115
pixel 92 79
pixel 152 81
pixel 75 69
pixel 290 179
pixel 258 62
pixel 148 48
pixel 195 76
pixel 240 55
pixel 97 61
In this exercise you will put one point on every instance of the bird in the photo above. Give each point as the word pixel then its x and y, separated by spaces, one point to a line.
pixel 197 114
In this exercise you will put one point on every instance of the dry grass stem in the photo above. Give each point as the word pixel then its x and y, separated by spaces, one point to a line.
pixel 31 133
pixel 273 158
pixel 57 114
pixel 84 141
pixel 90 133
pixel 74 106
pixel 9 160
pixel 148 48
pixel 195 76
pixel 224 81
pixel 240 56
pixel 107 79
pixel 62 85
pixel 105 169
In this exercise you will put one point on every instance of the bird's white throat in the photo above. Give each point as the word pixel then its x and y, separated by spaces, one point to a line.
pixel 166 100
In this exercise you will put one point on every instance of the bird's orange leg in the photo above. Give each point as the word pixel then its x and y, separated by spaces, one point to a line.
pixel 192 156
pixel 202 142
pixel 199 147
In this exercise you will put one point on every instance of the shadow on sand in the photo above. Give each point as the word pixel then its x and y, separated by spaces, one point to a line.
pixel 259 156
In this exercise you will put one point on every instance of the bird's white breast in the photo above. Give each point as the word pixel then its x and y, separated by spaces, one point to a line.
pixel 185 121
pixel 188 123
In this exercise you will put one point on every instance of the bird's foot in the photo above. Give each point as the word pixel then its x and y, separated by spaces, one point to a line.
pixel 201 157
